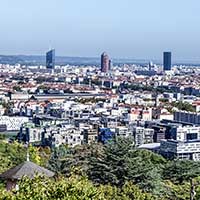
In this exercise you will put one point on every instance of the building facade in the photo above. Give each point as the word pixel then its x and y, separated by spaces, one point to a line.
pixel 183 150
pixel 105 63
pixel 167 56
pixel 143 135
pixel 187 117
pixel 50 59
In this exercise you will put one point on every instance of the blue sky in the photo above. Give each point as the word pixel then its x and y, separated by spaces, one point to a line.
pixel 123 28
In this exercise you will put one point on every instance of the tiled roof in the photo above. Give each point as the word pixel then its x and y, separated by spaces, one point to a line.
pixel 28 169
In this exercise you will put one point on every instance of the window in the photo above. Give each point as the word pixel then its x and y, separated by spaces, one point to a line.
pixel 192 136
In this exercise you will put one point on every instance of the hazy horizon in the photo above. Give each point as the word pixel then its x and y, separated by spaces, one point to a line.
pixel 128 29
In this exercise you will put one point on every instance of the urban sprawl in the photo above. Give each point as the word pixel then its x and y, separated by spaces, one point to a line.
pixel 156 106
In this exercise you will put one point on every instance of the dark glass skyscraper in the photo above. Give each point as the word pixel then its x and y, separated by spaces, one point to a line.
pixel 167 61
pixel 50 59
pixel 105 62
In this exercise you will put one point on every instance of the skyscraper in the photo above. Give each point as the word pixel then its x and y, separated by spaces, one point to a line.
pixel 167 61
pixel 50 59
pixel 110 65
pixel 105 62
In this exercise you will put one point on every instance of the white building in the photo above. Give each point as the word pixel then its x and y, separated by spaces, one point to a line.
pixel 13 123
pixel 186 133
pixel 184 150
pixel 143 135
pixel 184 145
pixel 122 131
pixel 69 136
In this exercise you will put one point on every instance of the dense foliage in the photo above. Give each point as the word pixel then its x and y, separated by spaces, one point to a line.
pixel 72 188
pixel 15 153
pixel 118 162
pixel 113 171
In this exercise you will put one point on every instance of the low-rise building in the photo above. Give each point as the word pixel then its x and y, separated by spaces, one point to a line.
pixel 13 123
pixel 56 136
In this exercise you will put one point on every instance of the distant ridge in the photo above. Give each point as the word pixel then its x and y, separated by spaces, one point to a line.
pixel 62 60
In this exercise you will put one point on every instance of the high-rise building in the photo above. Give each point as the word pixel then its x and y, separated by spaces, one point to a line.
pixel 105 62
pixel 110 65
pixel 167 61
pixel 151 65
pixel 50 59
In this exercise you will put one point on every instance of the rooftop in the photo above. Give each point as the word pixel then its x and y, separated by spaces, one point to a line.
pixel 28 169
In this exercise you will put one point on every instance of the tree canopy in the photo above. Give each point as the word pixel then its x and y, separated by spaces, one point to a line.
pixel 116 170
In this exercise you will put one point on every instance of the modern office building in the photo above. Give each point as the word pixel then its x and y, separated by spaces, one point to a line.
pixel 183 150
pixel 185 143
pixel 187 117
pixel 110 64
pixel 167 63
pixel 105 63
pixel 50 59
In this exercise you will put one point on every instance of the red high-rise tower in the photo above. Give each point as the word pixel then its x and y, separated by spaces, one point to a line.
pixel 105 62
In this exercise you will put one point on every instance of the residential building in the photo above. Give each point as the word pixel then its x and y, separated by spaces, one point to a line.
pixel 143 135
pixel 13 123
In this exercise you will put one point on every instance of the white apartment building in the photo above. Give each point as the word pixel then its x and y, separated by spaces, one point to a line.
pixel 13 123
pixel 122 131
pixel 143 135
pixel 69 136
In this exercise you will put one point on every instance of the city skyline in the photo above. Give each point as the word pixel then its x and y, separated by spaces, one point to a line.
pixel 127 29
pixel 100 99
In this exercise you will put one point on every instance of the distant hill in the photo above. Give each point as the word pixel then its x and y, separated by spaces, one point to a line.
pixel 61 60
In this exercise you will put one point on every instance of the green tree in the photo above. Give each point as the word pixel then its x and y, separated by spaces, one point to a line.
pixel 120 162
pixel 17 88
pixel 179 171
pixel 12 154
pixel 177 191
pixel 72 188
pixel 184 106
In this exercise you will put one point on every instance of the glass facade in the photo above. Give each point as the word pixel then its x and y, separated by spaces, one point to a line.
pixel 167 57
pixel 50 59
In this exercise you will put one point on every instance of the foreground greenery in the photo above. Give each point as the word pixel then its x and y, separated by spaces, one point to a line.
pixel 72 188
pixel 114 171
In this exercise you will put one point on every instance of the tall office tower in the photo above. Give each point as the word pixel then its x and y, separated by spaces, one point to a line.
pixel 167 61
pixel 110 65
pixel 151 65
pixel 50 59
pixel 105 62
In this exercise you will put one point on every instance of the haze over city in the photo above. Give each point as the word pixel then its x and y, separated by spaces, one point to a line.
pixel 126 29
pixel 100 100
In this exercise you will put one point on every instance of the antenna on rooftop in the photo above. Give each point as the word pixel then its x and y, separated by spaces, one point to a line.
pixel 50 47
